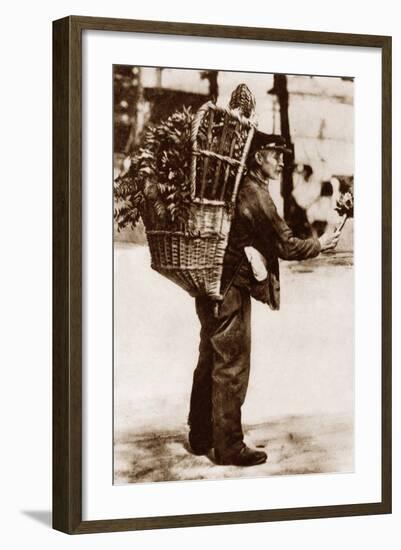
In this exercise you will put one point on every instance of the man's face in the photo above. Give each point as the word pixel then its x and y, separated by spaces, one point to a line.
pixel 270 163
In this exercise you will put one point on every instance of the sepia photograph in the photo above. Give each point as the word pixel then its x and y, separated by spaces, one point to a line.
pixel 233 277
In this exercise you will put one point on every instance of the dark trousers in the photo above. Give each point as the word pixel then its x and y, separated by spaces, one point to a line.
pixel 222 373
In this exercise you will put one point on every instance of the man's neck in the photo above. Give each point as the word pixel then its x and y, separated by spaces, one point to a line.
pixel 260 176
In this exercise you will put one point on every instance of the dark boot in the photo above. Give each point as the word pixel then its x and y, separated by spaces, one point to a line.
pixel 245 457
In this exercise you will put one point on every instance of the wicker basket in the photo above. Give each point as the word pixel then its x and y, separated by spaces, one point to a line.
pixel 193 258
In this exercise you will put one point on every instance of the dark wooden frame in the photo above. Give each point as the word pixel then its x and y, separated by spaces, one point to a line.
pixel 67 262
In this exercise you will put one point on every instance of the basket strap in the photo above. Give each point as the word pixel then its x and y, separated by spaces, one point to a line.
pixel 236 271
pixel 216 307
pixel 233 277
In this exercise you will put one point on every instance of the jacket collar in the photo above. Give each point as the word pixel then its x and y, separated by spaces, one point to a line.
pixel 257 176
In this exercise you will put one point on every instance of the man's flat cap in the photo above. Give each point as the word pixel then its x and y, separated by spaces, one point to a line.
pixel 265 142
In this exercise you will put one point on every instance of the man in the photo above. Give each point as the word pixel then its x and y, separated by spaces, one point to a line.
pixel 221 376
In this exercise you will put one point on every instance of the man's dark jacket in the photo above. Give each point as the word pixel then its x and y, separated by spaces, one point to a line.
pixel 257 223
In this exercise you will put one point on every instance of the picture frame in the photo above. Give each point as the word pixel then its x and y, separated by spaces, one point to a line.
pixel 68 293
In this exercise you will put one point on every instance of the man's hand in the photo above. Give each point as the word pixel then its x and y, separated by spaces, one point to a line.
pixel 328 241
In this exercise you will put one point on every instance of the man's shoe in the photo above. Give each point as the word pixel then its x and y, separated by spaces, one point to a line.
pixel 245 457
pixel 199 446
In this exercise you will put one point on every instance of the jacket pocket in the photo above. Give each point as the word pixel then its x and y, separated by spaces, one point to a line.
pixel 267 292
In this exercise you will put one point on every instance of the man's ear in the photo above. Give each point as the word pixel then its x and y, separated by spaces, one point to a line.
pixel 258 158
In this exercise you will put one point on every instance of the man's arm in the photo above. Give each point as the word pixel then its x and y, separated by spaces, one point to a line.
pixel 262 212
